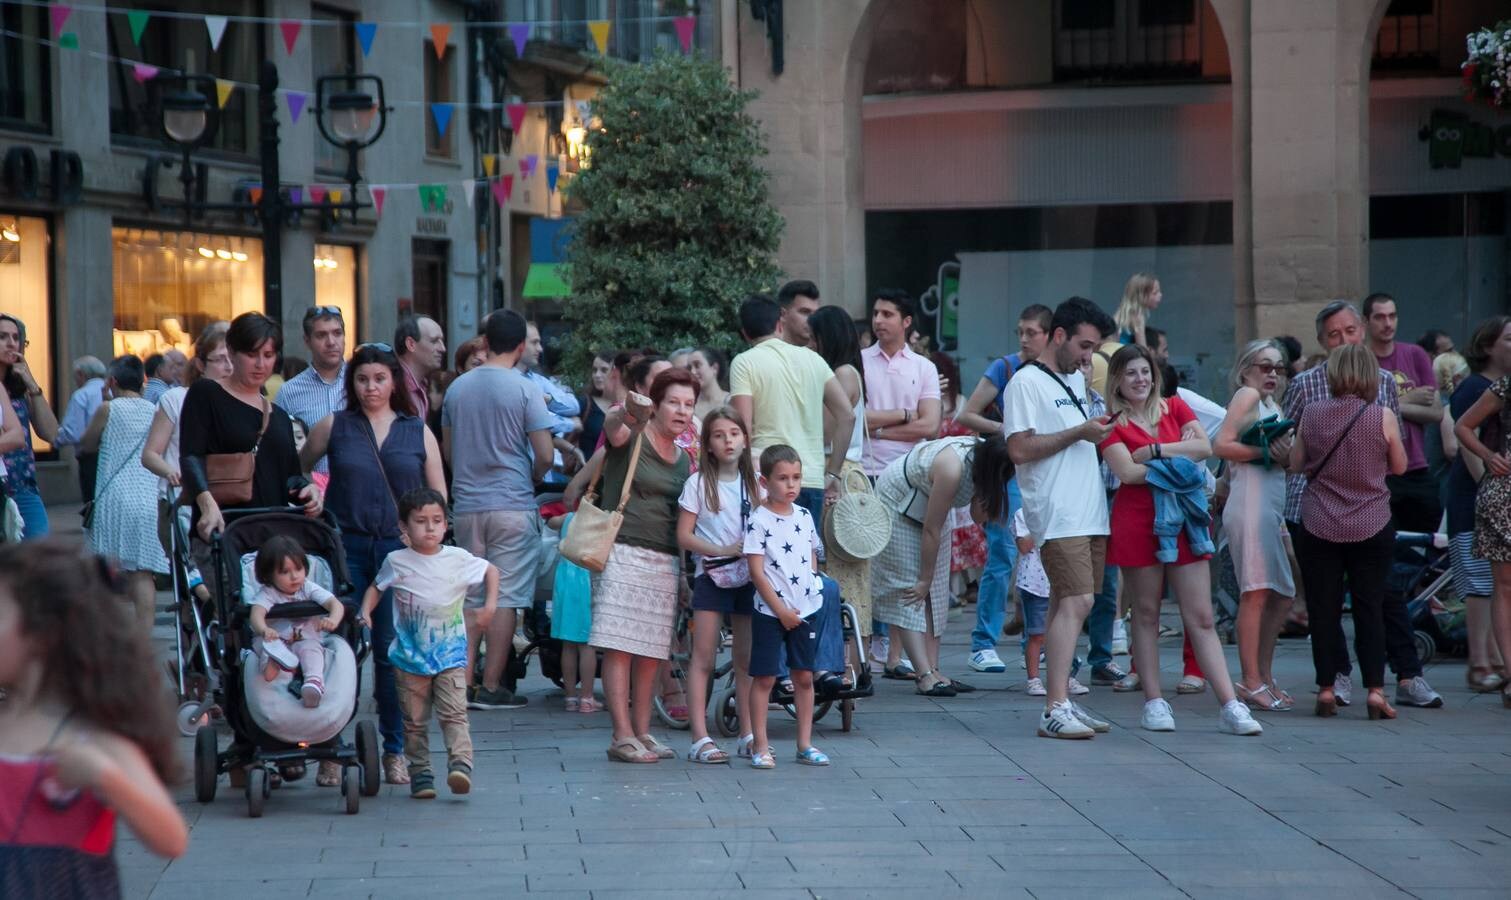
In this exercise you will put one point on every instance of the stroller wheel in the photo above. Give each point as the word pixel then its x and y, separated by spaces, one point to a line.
pixel 351 789
pixel 725 713
pixel 367 755
pixel 257 790
pixel 192 716
pixel 1427 648
pixel 205 765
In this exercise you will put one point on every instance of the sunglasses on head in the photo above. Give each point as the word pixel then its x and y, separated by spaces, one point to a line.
pixel 376 345
pixel 314 312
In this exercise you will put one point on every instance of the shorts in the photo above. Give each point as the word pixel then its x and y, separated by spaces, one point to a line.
pixel 1471 576
pixel 1035 609
pixel 710 597
pixel 511 540
pixel 768 637
pixel 1075 565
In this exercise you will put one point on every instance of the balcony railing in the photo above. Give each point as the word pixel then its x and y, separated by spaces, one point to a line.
pixel 1128 40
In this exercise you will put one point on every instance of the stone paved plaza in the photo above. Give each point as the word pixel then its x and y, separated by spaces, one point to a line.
pixel 925 796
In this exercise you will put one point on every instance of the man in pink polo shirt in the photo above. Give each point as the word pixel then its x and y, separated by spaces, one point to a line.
pixel 902 388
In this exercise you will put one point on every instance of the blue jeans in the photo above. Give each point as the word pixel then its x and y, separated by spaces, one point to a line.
pixel 364 555
pixel 1104 610
pixel 33 513
pixel 1001 556
pixel 831 633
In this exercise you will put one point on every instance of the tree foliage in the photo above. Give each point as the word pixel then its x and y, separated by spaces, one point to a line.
pixel 677 226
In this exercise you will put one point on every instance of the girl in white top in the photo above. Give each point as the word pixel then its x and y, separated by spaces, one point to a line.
pixel 716 503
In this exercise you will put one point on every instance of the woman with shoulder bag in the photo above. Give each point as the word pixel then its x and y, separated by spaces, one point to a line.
pixel 378 450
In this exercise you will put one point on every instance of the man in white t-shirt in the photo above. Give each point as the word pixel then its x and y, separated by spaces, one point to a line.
pixel 1053 443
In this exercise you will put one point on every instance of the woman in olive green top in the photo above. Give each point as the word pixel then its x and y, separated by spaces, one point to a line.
pixel 635 598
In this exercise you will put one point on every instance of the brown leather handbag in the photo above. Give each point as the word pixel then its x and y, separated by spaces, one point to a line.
pixel 229 475
pixel 590 537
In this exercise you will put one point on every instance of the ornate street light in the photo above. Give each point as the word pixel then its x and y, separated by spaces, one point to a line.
pixel 190 120
pixel 346 107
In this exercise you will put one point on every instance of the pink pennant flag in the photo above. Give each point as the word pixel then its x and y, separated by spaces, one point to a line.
pixel 317 193
pixel 296 101
pixel 502 189
pixel 531 162
pixel 524 167
pixel 379 193
pixel 290 29
pixel 516 113
pixel 469 187
pixel 143 72
pixel 59 13
pixel 685 26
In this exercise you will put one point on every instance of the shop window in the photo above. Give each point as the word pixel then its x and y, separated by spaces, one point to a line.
pixel 183 43
pixel 333 51
pixel 1408 39
pixel 336 285
pixel 25 69
pixel 26 294
pixel 440 87
pixel 170 284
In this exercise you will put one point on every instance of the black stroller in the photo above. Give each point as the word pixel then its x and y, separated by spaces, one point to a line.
pixel 1420 573
pixel 253 720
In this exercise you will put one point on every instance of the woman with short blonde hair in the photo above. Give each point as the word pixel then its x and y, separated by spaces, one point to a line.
pixel 1141 296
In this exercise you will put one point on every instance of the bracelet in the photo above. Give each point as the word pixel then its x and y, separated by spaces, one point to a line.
pixel 34 392
pixel 907 416
pixel 834 475
pixel 1158 452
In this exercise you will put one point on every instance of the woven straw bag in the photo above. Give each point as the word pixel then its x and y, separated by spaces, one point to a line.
pixel 857 527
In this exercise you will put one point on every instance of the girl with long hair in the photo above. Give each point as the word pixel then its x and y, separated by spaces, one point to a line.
pixel 1141 297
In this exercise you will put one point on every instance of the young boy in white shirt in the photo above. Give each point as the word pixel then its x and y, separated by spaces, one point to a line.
pixel 429 649
pixel 781 545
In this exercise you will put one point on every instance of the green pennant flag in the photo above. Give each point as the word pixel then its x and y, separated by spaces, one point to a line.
pixel 138 19
pixel 68 40
pixel 432 197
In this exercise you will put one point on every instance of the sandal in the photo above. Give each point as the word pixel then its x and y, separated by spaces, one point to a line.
pixel 743 746
pixel 677 711
pixel 940 688
pixel 589 705
pixel 630 750
pixel 763 760
pixel 705 751
pixel 654 746
pixel 329 774
pixel 572 704
pixel 1263 697
pixel 900 672
pixel 960 686
pixel 812 756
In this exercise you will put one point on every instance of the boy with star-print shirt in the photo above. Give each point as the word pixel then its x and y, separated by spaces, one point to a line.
pixel 781 547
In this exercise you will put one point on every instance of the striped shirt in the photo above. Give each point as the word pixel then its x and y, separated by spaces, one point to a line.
pixel 1309 387
pixel 310 398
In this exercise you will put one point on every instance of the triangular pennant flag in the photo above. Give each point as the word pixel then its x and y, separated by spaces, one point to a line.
pixel 520 33
pixel 336 196
pixel 290 29
pixel 530 162
pixel 441 112
pixel 138 20
pixel 439 33
pixel 553 172
pixel 438 196
pixel 296 195
pixel 600 30
pixel 490 163
pixel 223 89
pixel 143 72
pixel 59 12
pixel 469 188
pixel 379 193
pixel 366 31
pixel 502 188
pixel 68 40
pixel 685 26
pixel 216 25
pixel 256 194
pixel 317 193
pixel 296 100
pixel 516 113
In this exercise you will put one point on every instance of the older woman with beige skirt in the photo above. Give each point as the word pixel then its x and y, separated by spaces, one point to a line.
pixel 635 597
pixel 910 579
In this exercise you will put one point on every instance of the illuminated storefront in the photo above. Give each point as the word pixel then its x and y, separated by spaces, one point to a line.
pixel 26 291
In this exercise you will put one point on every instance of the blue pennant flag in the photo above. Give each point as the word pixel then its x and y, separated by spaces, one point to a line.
pixel 366 31
pixel 442 114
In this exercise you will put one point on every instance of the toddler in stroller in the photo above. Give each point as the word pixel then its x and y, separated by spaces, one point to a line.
pixel 283 569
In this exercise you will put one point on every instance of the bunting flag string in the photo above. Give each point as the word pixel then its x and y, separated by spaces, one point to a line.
pixel 600 31
pixel 439 33
pixel 441 112
pixel 143 72
pixel 502 189
pixel 290 29
pixel 379 193
pixel 490 163
pixel 216 25
pixel 685 26
pixel 553 172
pixel 519 33
pixel 296 100
pixel 516 114
pixel 425 24
pixel 366 31
pixel 59 13
pixel 469 189
pixel 432 195
pixel 223 91
pixel 138 20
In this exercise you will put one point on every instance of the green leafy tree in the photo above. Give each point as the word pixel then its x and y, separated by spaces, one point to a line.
pixel 677 226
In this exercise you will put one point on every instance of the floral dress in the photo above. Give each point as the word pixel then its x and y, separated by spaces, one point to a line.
pixel 21 463
pixel 967 539
pixel 1492 505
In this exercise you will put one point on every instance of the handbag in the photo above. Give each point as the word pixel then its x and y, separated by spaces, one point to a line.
pixel 229 475
pixel 1262 432
pixel 857 527
pixel 731 571
pixel 590 540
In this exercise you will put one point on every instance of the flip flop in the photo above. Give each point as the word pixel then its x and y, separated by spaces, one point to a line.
pixel 630 750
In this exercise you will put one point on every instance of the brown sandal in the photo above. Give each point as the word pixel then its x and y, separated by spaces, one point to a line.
pixel 630 750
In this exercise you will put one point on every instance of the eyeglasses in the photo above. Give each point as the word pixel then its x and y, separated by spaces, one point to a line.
pixel 376 345
pixel 1269 368
pixel 315 312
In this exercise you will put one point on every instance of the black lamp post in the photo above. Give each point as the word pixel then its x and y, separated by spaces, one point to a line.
pixel 190 119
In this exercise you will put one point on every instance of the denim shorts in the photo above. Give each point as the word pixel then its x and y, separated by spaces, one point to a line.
pixel 768 637
pixel 1034 610
pixel 709 596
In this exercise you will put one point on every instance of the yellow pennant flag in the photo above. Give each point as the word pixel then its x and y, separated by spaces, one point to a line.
pixel 223 91
pixel 490 163
pixel 600 30
pixel 335 195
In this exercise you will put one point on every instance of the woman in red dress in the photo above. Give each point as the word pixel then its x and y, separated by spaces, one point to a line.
pixel 1145 428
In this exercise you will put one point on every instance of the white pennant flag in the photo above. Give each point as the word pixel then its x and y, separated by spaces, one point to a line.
pixel 217 28
pixel 469 187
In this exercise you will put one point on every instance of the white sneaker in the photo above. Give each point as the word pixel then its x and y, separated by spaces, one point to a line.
pixel 1130 682
pixel 1235 719
pixel 1035 687
pixel 1119 638
pixel 1089 720
pixel 987 660
pixel 1157 716
pixel 280 653
pixel 1059 721
pixel 1343 690
pixel 1075 688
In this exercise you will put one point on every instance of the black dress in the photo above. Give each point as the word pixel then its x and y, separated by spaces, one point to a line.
pixel 213 421
pixel 592 427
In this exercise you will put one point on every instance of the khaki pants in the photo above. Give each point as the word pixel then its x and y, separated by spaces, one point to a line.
pixel 446 693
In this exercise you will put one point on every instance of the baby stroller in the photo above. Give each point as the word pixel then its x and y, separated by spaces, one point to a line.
pixel 1420 573
pixel 271 728
pixel 192 668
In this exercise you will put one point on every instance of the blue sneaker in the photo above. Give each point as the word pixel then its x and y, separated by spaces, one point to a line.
pixel 987 660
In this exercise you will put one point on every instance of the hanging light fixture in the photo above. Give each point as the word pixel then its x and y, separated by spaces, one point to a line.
pixel 10 233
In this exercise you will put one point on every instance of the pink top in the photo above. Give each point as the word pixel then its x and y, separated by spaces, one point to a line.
pixel 895 382
pixel 1346 501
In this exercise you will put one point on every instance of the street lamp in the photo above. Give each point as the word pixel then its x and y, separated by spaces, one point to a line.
pixel 189 120
pixel 345 110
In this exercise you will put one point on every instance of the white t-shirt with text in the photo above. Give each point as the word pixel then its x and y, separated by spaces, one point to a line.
pixel 787 544
pixel 1063 494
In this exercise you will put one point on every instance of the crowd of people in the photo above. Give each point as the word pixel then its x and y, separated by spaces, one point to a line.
pixel 1078 483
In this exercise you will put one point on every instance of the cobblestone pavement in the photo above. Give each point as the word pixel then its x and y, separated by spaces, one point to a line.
pixel 944 796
